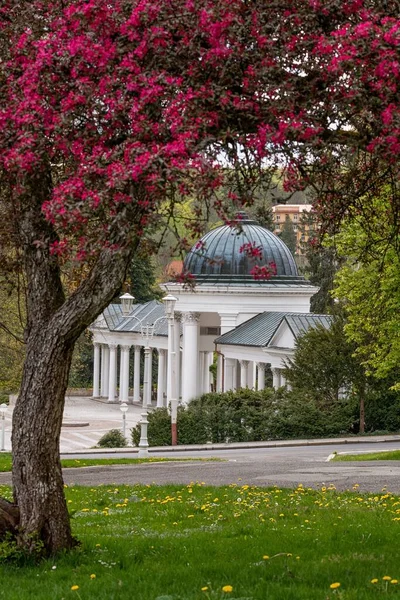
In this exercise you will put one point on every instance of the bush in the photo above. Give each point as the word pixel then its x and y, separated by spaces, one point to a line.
pixel 249 416
pixel 112 439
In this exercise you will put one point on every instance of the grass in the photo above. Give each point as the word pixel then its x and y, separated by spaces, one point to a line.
pixel 6 461
pixel 193 542
pixel 389 455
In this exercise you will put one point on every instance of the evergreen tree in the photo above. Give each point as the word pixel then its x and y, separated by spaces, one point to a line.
pixel 143 279
pixel 288 235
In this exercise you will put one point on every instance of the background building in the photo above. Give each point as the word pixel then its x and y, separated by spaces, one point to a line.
pixel 296 218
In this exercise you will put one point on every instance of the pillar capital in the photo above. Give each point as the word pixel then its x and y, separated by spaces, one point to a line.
pixel 113 346
pixel 190 318
pixel 244 363
pixel 261 366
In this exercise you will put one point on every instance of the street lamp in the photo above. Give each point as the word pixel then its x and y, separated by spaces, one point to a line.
pixel 123 408
pixel 126 304
pixel 170 302
pixel 3 409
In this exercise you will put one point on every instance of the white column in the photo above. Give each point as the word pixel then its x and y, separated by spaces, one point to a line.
pixel 105 369
pixel 96 370
pixel 121 374
pixel 177 359
pixel 150 376
pixel 276 378
pixel 283 380
pixel 171 331
pixel 220 373
pixel 251 376
pixel 244 373
pixel 229 374
pixel 201 378
pixel 191 355
pixel 124 375
pixel 165 377
pixel 112 388
pixel 160 378
pixel 136 375
pixel 261 376
pixel 146 378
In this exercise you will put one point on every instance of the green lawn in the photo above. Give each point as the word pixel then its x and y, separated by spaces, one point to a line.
pixel 390 455
pixel 190 542
pixel 5 461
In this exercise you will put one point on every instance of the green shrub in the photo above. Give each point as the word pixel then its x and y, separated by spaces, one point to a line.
pixel 112 439
pixel 249 416
pixel 158 429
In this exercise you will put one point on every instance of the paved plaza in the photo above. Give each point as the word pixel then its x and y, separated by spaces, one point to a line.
pixel 85 422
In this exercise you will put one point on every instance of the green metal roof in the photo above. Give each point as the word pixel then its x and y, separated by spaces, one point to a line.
pixel 220 255
pixel 141 315
pixel 300 323
pixel 259 330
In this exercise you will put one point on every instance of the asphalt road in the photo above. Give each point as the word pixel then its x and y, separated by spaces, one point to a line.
pixel 284 467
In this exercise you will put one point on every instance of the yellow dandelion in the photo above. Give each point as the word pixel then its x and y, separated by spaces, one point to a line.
pixel 335 585
pixel 386 578
pixel 93 576
pixel 227 588
pixel 265 557
pixel 74 588
pixel 374 580
pixel 394 581
pixel 204 589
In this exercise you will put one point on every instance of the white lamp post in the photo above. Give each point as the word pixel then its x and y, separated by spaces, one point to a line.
pixel 126 304
pixel 147 332
pixel 3 410
pixel 170 302
pixel 123 408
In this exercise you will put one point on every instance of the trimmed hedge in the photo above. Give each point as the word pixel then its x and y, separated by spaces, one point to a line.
pixel 248 416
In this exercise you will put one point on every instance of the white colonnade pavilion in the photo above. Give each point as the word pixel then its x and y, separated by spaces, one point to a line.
pixel 247 326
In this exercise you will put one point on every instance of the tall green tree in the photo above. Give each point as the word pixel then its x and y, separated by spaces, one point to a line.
pixel 324 367
pixel 288 234
pixel 142 276
pixel 369 285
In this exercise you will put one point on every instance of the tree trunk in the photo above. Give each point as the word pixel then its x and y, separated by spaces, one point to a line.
pixel 362 410
pixel 37 419
pixel 54 323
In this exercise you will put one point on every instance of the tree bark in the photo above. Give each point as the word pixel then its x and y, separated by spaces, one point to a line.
pixel 37 419
pixel 39 514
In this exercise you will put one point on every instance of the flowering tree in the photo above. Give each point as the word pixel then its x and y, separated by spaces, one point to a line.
pixel 111 110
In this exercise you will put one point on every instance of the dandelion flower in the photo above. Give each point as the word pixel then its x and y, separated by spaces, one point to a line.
pixel 374 580
pixel 265 557
pixel 394 581
pixel 335 585
pixel 74 588
pixel 204 589
pixel 93 576
pixel 227 588
pixel 386 578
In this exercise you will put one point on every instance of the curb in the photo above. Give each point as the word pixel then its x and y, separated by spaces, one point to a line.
pixel 239 445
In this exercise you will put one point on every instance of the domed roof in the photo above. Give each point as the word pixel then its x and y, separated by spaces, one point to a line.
pixel 219 257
